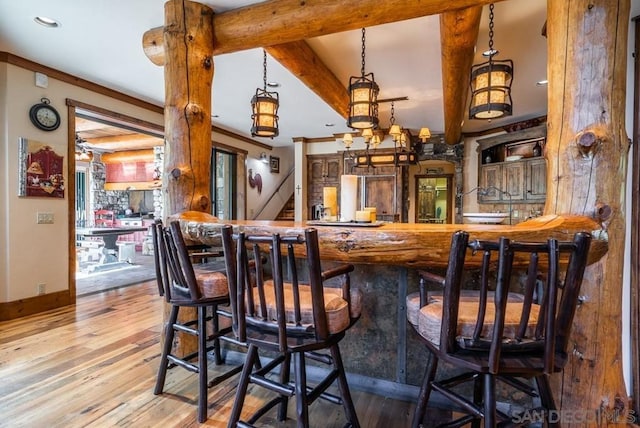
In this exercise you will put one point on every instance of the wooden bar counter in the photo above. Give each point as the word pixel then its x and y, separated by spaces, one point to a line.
pixel 381 352
pixel 412 245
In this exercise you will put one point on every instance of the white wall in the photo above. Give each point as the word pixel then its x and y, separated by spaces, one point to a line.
pixel 270 181
pixel 38 253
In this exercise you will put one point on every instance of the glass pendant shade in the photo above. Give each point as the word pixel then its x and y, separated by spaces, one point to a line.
pixel 491 90
pixel 363 102
pixel 265 114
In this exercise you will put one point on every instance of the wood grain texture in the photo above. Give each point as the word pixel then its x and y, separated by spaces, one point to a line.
pixel 302 61
pixel 401 244
pixel 94 364
pixel 458 37
pixel 586 155
pixel 188 70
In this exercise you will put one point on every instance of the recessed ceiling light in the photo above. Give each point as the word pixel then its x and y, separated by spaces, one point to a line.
pixel 47 22
pixel 542 82
pixel 273 84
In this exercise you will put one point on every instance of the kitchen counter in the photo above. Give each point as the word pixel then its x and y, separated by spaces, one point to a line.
pixel 413 245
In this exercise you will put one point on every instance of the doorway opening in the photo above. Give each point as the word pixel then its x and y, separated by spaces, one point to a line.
pixel 433 198
pixel 114 177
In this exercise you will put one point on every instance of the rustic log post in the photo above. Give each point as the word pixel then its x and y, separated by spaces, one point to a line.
pixel 586 154
pixel 188 76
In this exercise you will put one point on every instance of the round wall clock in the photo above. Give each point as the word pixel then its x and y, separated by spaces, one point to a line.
pixel 44 115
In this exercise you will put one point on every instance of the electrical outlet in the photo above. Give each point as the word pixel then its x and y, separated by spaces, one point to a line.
pixel 42 288
pixel 45 218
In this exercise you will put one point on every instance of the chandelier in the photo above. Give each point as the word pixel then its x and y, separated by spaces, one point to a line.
pixel 363 97
pixel 491 84
pixel 264 106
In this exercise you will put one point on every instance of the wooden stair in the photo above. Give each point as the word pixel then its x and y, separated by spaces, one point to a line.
pixel 288 211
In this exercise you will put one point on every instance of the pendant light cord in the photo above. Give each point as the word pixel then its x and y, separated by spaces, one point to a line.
pixel 264 67
pixel 491 51
pixel 363 56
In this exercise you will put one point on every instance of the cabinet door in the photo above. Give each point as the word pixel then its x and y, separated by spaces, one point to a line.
pixel 536 180
pixel 322 171
pixel 514 181
pixel 380 193
pixel 490 176
pixel 332 170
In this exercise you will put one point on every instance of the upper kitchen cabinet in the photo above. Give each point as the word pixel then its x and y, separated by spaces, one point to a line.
pixel 512 167
pixel 130 170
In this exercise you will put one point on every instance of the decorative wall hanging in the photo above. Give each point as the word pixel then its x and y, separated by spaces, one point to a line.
pixel 41 170
pixel 274 164
pixel 255 181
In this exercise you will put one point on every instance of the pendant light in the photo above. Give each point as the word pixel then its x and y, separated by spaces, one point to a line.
pixel 363 98
pixel 264 105
pixel 491 84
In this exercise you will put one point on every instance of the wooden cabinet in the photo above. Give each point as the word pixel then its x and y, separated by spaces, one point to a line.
pixel 380 187
pixel 536 180
pixel 513 179
pixel 490 178
pixel 524 180
pixel 322 171
pixel 513 164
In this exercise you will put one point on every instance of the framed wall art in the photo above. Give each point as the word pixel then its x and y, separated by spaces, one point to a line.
pixel 41 170
pixel 274 164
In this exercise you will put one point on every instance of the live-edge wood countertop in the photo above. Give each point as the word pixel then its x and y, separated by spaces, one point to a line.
pixel 401 244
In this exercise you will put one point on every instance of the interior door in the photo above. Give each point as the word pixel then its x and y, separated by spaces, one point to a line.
pixel 433 198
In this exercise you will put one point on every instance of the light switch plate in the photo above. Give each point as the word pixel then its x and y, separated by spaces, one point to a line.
pixel 45 218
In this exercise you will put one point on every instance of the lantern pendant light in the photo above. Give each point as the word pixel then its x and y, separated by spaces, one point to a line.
pixel 264 106
pixel 363 98
pixel 491 84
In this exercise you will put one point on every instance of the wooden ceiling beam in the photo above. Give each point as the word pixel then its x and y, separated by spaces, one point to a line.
pixel 280 21
pixel 282 24
pixel 458 36
pixel 302 62
pixel 296 56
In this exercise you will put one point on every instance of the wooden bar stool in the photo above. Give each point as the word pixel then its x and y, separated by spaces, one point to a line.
pixel 206 292
pixel 289 318
pixel 492 336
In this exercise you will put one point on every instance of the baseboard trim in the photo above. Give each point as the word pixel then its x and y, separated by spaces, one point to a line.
pixel 33 305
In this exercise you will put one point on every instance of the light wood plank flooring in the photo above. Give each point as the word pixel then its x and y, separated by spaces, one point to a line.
pixel 94 364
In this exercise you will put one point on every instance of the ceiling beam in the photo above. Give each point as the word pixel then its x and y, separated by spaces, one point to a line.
pixel 296 56
pixel 458 37
pixel 302 62
pixel 280 22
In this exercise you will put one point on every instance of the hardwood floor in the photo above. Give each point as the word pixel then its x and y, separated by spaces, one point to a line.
pixel 94 364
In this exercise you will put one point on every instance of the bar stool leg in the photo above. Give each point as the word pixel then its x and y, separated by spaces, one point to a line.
pixel 302 406
pixel 425 391
pixel 243 384
pixel 489 400
pixel 347 401
pixel 166 349
pixel 285 376
pixel 202 364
